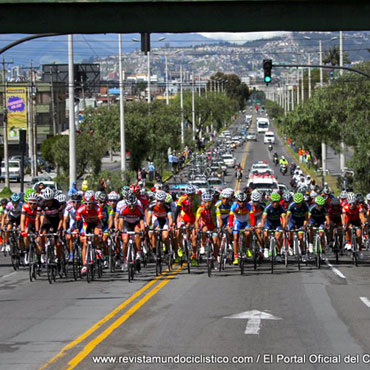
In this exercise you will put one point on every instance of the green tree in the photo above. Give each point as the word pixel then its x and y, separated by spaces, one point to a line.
pixel 332 56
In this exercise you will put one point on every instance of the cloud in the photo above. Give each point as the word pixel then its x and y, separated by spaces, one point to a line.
pixel 241 37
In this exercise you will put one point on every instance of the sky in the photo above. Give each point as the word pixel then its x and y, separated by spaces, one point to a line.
pixel 242 37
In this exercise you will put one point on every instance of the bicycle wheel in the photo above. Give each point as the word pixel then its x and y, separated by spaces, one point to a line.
pixel 158 257
pixel 169 257
pixel 222 253
pixel 130 263
pixel 297 252
pixel 187 248
pixel 209 259
pixel 14 253
pixel 32 261
pixel 49 261
pixel 241 253
pixel 255 253
pixel 272 251
pixel 355 250
pixel 76 264
pixel 318 250
pixel 336 248
pixel 286 251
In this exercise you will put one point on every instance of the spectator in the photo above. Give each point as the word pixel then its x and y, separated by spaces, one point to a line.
pixel 151 170
pixel 143 175
pixel 73 189
pixel 175 163
pixel 102 186
pixel 108 183
pixel 300 154
pixel 170 161
pixel 315 163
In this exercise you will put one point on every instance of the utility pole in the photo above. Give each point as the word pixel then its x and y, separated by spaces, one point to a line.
pixel 309 77
pixel 148 60
pixel 167 94
pixel 121 107
pixel 71 108
pixel 323 144
pixel 34 118
pixel 302 90
pixel 193 105
pixel 5 126
pixel 298 97
pixel 55 130
pixel 182 109
pixel 342 157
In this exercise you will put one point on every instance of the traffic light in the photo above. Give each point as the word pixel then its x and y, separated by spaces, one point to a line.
pixel 267 66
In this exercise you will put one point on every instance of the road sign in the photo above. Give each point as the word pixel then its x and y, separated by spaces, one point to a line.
pixel 254 318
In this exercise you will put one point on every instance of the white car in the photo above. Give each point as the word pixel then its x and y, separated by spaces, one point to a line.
pixel 268 184
pixel 14 168
pixel 269 138
pixel 251 136
pixel 229 160
pixel 261 166
pixel 263 125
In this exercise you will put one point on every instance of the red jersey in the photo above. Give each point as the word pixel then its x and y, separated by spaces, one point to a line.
pixel 30 214
pixel 207 217
pixel 144 201
pixel 132 216
pixel 335 212
pixel 89 216
pixel 352 215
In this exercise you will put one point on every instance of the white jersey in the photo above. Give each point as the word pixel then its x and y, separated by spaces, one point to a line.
pixel 122 203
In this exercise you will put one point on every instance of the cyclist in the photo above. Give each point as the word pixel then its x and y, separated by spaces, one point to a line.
pixel 297 218
pixel 242 212
pixel 317 217
pixel 28 217
pixel 49 219
pixel 187 206
pixel 159 217
pixel 353 216
pixel 91 216
pixel 206 221
pixel 335 216
pixel 343 198
pixel 131 219
pixel 69 222
pixel 108 221
pixel 286 200
pixel 258 207
pixel 223 207
pixel 274 218
pixel 12 215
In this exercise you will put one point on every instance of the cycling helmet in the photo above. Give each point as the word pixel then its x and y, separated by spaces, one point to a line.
pixel 190 189
pixel 131 200
pixel 57 192
pixel 89 196
pixel 207 197
pixel 275 197
pixel 97 193
pixel 326 191
pixel 4 201
pixel 320 200
pixel 135 188
pixel 112 196
pixel 103 197
pixel 351 198
pixel 32 197
pixel 48 194
pixel 359 197
pixel 256 196
pixel 298 198
pixel 76 197
pixel 150 194
pixel 343 195
pixel 15 197
pixel 169 198
pixel 61 198
pixel 306 197
pixel 368 197
pixel 240 196
pixel 160 195
pixel 287 196
pixel 335 201
pixel 225 194
pixel 313 194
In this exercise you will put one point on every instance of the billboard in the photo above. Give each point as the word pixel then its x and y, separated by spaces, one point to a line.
pixel 16 102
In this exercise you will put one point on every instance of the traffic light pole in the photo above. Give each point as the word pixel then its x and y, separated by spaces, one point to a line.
pixel 320 66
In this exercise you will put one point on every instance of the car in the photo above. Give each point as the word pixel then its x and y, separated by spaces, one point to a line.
pixel 269 138
pixel 282 188
pixel 251 136
pixel 215 183
pixel 262 125
pixel 14 168
pixel 267 184
pixel 48 184
pixel 260 166
pixel 229 160
pixel 201 185
pixel 38 179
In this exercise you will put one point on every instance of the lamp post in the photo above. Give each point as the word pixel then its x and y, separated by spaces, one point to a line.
pixel 148 66
pixel 121 107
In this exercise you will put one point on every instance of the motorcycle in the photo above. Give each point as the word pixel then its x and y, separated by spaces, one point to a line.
pixel 284 169
pixel 239 175
pixel 270 147
pixel 275 160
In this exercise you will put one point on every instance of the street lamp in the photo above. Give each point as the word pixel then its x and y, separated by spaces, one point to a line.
pixel 148 66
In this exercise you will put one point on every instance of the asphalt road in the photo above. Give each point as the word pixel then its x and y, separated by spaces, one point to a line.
pixel 321 314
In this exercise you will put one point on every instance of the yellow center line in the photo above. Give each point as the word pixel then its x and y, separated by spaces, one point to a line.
pixel 95 327
pixel 116 324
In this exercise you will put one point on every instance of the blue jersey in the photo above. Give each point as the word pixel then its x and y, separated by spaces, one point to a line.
pixel 274 214
pixel 241 213
pixel 317 215
pixel 222 210
pixel 297 213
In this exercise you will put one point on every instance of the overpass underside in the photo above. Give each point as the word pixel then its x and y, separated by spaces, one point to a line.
pixel 128 16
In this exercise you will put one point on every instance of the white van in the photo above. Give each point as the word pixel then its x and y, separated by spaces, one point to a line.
pixel 269 138
pixel 263 125
pixel 14 170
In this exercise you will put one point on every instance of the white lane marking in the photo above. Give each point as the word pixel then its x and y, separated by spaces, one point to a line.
pixel 366 301
pixel 334 269
pixel 254 318
pixel 12 273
